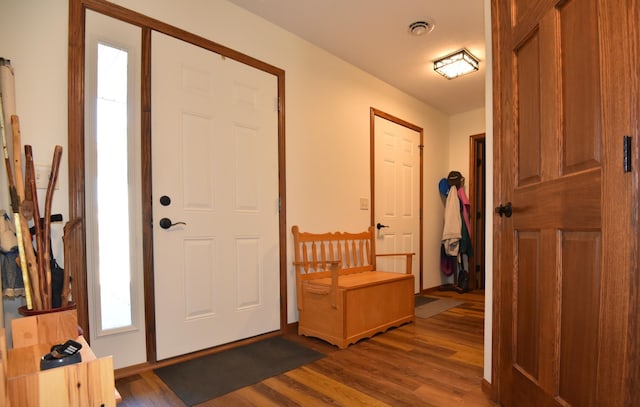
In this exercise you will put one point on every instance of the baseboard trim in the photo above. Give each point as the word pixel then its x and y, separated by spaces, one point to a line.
pixel 292 328
pixel 487 388
pixel 431 290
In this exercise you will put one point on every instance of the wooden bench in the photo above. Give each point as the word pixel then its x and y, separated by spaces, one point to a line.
pixel 341 297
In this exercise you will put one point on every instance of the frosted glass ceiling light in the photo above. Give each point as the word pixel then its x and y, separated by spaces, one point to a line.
pixel 457 64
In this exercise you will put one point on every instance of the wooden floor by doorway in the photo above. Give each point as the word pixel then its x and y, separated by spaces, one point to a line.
pixel 433 362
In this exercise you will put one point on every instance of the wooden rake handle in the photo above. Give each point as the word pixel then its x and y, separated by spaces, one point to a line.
pixel 46 234
pixel 28 261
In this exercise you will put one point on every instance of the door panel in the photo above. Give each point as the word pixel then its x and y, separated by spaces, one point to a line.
pixel 215 154
pixel 527 297
pixel 579 313
pixel 557 263
pixel 397 195
pixel 527 61
pixel 581 136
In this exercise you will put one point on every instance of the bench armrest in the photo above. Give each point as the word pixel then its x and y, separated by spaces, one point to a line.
pixel 409 257
pixel 334 267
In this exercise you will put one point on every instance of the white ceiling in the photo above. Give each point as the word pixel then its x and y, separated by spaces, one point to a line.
pixel 373 35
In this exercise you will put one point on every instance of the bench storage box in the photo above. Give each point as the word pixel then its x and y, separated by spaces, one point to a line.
pixel 341 297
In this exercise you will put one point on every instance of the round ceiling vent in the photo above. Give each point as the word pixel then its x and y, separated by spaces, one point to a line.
pixel 421 27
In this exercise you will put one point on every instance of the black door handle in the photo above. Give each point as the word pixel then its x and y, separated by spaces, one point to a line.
pixel 165 223
pixel 380 226
pixel 506 210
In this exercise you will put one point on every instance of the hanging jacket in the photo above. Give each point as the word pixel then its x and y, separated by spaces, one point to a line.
pixel 466 247
pixel 448 264
pixel 452 231
pixel 465 205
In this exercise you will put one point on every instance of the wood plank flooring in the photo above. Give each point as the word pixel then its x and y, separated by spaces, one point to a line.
pixel 432 362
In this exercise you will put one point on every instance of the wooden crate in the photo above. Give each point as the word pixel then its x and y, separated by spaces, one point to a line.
pixel 88 383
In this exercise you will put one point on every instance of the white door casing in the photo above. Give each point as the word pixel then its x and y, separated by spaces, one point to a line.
pixel 215 155
pixel 397 195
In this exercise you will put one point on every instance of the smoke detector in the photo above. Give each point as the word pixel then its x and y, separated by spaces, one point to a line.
pixel 421 27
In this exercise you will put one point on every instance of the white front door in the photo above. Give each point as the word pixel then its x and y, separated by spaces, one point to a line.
pixel 397 195
pixel 215 168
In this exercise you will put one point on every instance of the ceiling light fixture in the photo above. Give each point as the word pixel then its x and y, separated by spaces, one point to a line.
pixel 421 27
pixel 456 64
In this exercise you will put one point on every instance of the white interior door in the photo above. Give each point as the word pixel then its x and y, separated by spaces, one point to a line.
pixel 215 156
pixel 397 195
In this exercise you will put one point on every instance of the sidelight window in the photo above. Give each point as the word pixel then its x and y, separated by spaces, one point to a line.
pixel 111 186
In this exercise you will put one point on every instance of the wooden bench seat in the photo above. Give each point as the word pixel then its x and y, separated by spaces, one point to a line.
pixel 359 279
pixel 341 297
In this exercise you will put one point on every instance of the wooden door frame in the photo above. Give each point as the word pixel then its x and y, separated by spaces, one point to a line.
pixel 373 112
pixel 499 11
pixel 473 180
pixel 76 162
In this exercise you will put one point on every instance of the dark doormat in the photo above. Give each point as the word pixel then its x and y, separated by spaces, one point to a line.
pixel 211 376
pixel 421 300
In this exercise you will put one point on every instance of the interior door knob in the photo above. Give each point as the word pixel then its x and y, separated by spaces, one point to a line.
pixel 505 210
pixel 165 223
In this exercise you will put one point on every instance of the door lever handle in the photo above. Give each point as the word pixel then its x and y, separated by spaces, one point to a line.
pixel 506 210
pixel 380 226
pixel 165 223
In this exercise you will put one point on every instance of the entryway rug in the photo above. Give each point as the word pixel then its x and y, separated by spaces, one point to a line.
pixel 435 307
pixel 422 299
pixel 211 376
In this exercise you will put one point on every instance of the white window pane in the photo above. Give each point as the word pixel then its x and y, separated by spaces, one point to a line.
pixel 112 189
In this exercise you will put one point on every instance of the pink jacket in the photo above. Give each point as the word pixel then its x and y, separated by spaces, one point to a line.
pixel 466 207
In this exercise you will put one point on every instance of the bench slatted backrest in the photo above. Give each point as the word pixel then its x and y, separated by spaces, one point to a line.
pixel 316 253
pixel 319 255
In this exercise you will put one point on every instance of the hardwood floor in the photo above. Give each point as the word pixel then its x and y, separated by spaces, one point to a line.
pixel 432 362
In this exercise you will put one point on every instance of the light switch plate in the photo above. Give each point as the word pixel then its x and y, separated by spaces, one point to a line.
pixel 42 175
pixel 364 204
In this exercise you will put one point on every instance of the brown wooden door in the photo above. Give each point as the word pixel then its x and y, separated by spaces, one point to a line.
pixel 477 196
pixel 565 100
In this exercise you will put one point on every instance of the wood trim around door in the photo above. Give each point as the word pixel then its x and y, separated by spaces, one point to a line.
pixel 76 102
pixel 75 146
pixel 373 112
pixel 498 13
pixel 478 214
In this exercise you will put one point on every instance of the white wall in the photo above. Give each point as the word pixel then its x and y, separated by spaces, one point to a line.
pixel 461 126
pixel 327 110
pixel 34 38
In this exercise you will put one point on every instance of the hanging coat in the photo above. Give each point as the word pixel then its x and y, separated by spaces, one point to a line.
pixel 452 231
pixel 448 264
pixel 465 206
